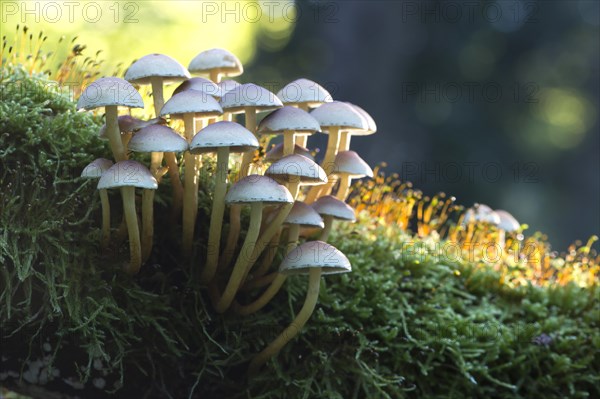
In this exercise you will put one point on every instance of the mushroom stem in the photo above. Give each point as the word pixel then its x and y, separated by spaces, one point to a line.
pixel 344 141
pixel 157 94
pixel 294 187
pixel 328 164
pixel 288 142
pixel 114 133
pixel 258 282
pixel 105 218
pixel 135 262
pixel 215 75
pixel 344 187
pixel 260 302
pixel 148 207
pixel 328 221
pixel 190 194
pixel 216 216
pixel 243 260
pixel 302 139
pixel 269 256
pixel 176 185
pixel 248 155
pixel 312 295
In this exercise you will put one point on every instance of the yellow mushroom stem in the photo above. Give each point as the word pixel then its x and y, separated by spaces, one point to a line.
pixel 288 142
pixel 265 298
pixel 310 302
pixel 148 206
pixel 135 250
pixel 243 260
pixel 190 193
pixel 114 133
pixel 344 141
pixel 344 186
pixel 215 75
pixel 216 216
pixel 328 221
pixel 259 282
pixel 105 240
pixel 328 164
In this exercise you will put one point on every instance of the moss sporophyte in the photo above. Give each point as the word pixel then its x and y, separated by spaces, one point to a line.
pixel 466 299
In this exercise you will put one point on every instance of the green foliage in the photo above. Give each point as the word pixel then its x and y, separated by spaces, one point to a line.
pixel 400 325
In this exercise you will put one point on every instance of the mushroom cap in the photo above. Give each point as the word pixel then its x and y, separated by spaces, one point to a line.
pixel 96 168
pixel 127 173
pixel 507 222
pixel 371 125
pixel 328 205
pixel 315 254
pixel 288 119
pixel 156 65
pixel 191 101
pixel 129 124
pixel 201 84
pixel 223 134
pixel 277 152
pixel 249 95
pixel 297 168
pixel 257 188
pixel 219 59
pixel 304 91
pixel 104 92
pixel 226 85
pixel 349 162
pixel 157 138
pixel 481 213
pixel 304 215
pixel 339 114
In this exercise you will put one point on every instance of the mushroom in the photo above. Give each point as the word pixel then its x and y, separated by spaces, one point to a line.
pixel 222 138
pixel 335 116
pixel 224 87
pixel 277 152
pixel 94 170
pixel 216 62
pixel 301 215
pixel 127 175
pixel 111 93
pixel 289 122
pixel 128 125
pixel 188 105
pixel 207 86
pixel 314 258
pixel 156 70
pixel 507 224
pixel 303 94
pixel 331 208
pixel 295 170
pixel 155 139
pixel 256 191
pixel 349 166
pixel 346 135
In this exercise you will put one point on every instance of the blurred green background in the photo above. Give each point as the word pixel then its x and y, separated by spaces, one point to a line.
pixel 493 102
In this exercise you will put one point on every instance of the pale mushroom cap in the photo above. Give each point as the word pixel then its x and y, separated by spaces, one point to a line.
pixel 157 138
pixel 156 65
pixel 277 152
pixel 191 101
pixel 201 84
pixel 304 91
pixel 288 119
pixel 304 215
pixel 331 206
pixel 129 124
pixel 349 162
pixel 315 254
pixel 226 85
pixel 96 168
pixel 249 95
pixel 339 114
pixel 508 222
pixel 223 134
pixel 127 173
pixel 257 188
pixel 110 91
pixel 216 59
pixel 371 125
pixel 294 168
pixel 481 213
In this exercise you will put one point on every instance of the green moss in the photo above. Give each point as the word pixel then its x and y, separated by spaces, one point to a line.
pixel 402 324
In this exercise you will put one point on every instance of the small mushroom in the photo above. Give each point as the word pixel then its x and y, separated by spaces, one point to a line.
pixel 224 87
pixel 314 258
pixel 349 165
pixel 94 170
pixel 216 62
pixel 276 152
pixel 346 135
pixel 201 84
pixel 290 122
pixel 127 175
pixel 331 208
pixel 295 170
pixel 223 138
pixel 507 225
pixel 128 125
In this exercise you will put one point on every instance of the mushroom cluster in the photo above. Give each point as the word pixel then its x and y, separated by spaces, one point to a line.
pixel 293 200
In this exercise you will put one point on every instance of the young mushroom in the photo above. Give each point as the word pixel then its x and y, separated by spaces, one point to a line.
pixel 94 170
pixel 224 87
pixel 346 135
pixel 314 258
pixel 127 175
pixel 154 139
pixel 289 122
pixel 349 165
pixel 216 62
pixel 189 105
pixel 128 125
pixel 223 138
pixel 331 208
pixel 256 191
pixel 276 152
pixel 507 225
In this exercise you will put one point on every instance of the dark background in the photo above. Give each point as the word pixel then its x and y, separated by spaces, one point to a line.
pixel 492 102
